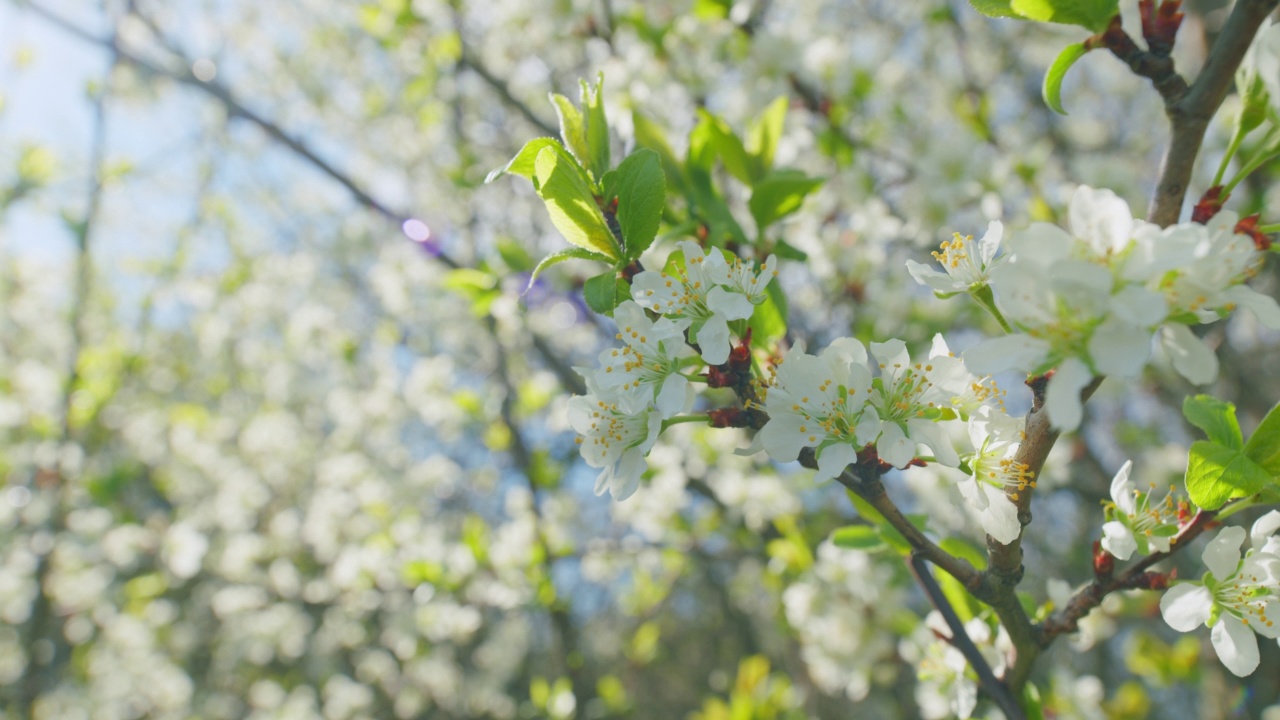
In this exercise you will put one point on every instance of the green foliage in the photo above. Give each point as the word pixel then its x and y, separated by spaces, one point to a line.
pixel 641 193
pixel 569 199
pixel 858 537
pixel 1092 15
pixel 606 291
pixel 1224 467
pixel 1052 89
pixel 779 194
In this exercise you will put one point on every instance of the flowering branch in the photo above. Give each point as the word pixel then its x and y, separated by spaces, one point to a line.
pixel 1067 620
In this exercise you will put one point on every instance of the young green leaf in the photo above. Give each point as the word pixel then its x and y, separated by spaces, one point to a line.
pixel 1264 445
pixel 769 321
pixel 597 127
pixel 1052 88
pixel 858 537
pixel 572 207
pixel 779 194
pixel 763 134
pixel 562 255
pixel 1216 418
pixel 1216 474
pixel 1092 15
pixel 573 128
pixel 642 192
pixel 522 163
pixel 994 8
pixel 726 145
pixel 650 135
pixel 605 291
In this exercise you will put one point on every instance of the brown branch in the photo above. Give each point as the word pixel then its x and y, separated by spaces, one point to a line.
pixel 863 480
pixel 1067 619
pixel 1000 581
pixel 1190 112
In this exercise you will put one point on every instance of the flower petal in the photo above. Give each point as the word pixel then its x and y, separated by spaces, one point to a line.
pixel 1118 540
pixel 1263 528
pixel 1236 645
pixel 1186 607
pixel 833 460
pixel 1222 554
pixel 894 447
pixel 1062 397
pixel 1191 357
pixel 732 305
pixel 1119 348
pixel 713 338
pixel 1008 352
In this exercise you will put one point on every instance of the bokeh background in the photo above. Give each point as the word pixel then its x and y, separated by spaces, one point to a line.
pixel 281 435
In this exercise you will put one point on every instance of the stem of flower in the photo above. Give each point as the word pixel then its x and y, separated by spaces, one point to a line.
pixel 1268 229
pixel 704 418
pixel 1264 157
pixel 1236 139
pixel 987 301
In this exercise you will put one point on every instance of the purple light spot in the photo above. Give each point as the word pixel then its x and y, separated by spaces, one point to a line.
pixel 416 230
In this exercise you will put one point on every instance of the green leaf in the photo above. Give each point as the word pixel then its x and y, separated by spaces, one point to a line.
pixel 1031 702
pixel 710 207
pixel 1216 418
pixel 522 163
pixel 642 193
pixel 763 134
pixel 649 135
pixel 514 255
pixel 994 8
pixel 779 194
pixel 726 145
pixel 1264 445
pixel 858 537
pixel 566 254
pixel 769 321
pixel 605 291
pixel 1092 15
pixel 572 207
pixel 787 251
pixel 597 127
pixel 1216 474
pixel 573 128
pixel 1052 88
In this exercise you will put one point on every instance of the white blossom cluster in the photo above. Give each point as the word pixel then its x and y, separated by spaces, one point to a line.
pixel 646 381
pixel 1239 596
pixel 1089 300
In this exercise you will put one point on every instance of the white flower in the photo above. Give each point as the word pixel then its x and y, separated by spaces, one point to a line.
pixel 907 401
pixel 616 436
pixel 1237 598
pixel 995 477
pixel 744 279
pixel 648 365
pixel 698 294
pixel 965 267
pixel 818 401
pixel 1135 522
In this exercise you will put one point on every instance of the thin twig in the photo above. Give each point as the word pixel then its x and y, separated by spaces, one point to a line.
pixel 960 639
pixel 1067 619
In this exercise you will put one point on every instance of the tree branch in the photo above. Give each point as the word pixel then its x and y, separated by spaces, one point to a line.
pixel 999 583
pixel 960 639
pixel 1189 112
pixel 1067 619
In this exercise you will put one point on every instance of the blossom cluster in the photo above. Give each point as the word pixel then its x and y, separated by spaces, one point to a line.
pixel 1090 299
pixel 1239 596
pixel 646 381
